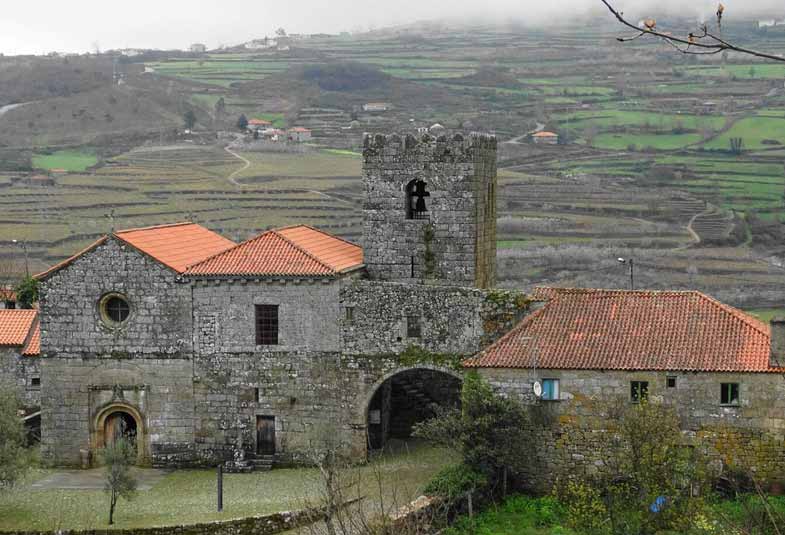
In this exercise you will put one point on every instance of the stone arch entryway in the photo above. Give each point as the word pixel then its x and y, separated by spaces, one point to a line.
pixel 407 396
pixel 119 420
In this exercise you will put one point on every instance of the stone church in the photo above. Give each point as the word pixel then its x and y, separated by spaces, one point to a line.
pixel 204 350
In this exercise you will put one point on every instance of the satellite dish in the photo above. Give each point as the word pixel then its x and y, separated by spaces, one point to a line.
pixel 537 388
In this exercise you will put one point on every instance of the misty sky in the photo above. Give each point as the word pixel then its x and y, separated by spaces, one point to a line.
pixel 40 26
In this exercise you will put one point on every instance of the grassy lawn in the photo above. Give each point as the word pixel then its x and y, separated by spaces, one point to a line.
pixel 753 130
pixel 765 314
pixel 189 496
pixel 642 141
pixel 70 160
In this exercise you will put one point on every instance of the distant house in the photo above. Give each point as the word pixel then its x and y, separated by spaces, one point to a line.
pixel 198 48
pixel 299 134
pixel 545 138
pixel 258 124
pixel 376 107
pixel 261 44
pixel 274 134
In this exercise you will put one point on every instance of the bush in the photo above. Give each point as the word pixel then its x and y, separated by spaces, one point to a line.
pixel 453 482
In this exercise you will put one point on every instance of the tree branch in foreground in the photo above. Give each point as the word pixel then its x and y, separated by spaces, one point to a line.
pixel 699 43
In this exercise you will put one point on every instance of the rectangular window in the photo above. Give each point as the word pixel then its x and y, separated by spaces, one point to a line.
pixel 729 394
pixel 550 389
pixel 35 382
pixel 639 390
pixel 671 381
pixel 413 327
pixel 256 394
pixel 266 325
pixel 349 313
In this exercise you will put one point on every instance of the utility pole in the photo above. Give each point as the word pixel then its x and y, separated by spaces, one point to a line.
pixel 631 263
pixel 24 249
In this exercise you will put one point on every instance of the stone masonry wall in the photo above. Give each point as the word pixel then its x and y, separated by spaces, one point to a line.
pixel 452 320
pixel 570 431
pixel 457 244
pixel 18 372
pixel 160 320
pixel 75 390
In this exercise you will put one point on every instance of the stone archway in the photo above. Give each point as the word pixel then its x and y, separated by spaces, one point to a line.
pixel 404 397
pixel 116 420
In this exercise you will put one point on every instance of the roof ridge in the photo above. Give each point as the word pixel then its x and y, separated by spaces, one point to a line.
pixel 31 332
pixel 306 253
pixel 324 232
pixel 612 290
pixel 165 225
pixel 230 249
pixel 738 314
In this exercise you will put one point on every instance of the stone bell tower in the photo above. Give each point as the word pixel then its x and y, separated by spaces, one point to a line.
pixel 429 214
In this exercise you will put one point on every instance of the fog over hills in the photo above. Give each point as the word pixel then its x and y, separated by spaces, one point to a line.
pixel 83 25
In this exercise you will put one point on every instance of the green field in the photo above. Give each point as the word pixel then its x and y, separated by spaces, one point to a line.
pixel 188 496
pixel 766 314
pixel 70 160
pixel 753 131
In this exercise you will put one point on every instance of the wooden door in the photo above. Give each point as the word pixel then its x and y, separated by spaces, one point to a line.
pixel 265 435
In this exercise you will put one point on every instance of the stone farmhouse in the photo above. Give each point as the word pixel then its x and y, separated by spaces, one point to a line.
pixel 19 351
pixel 206 351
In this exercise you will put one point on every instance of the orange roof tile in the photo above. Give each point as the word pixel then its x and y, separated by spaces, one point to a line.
pixel 632 330
pixel 545 134
pixel 178 245
pixel 298 251
pixel 15 326
pixel 33 346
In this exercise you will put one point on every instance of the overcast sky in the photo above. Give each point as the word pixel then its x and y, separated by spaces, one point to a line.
pixel 40 26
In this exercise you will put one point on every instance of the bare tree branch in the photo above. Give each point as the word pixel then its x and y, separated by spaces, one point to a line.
pixel 693 43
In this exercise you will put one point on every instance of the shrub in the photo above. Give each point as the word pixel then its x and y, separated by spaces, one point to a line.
pixel 453 482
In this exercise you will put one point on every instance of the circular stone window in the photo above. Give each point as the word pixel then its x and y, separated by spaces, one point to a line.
pixel 114 309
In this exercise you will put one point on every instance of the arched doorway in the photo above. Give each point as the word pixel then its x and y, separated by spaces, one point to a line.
pixel 405 398
pixel 120 420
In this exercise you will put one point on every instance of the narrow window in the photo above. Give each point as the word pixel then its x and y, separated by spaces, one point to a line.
pixel 266 325
pixel 349 313
pixel 729 394
pixel 256 394
pixel 639 390
pixel 35 382
pixel 416 193
pixel 550 389
pixel 671 381
pixel 413 327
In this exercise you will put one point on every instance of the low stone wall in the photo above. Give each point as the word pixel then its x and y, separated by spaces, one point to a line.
pixel 255 525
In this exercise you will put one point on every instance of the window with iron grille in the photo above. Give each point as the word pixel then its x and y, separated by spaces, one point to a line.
pixel 266 325
pixel 639 390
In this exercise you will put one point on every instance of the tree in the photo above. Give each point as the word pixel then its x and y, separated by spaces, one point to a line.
pixel 189 119
pixel 13 456
pixel 220 108
pixel 280 32
pixel 697 43
pixel 242 122
pixel 120 483
pixel 27 292
pixel 489 431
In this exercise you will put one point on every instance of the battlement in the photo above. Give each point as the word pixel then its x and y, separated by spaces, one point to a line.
pixel 455 147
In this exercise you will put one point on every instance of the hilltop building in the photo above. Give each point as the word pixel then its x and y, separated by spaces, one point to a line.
pixel 202 350
pixel 198 48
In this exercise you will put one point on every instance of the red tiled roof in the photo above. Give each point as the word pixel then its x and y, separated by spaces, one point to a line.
pixel 545 134
pixel 298 251
pixel 33 346
pixel 15 326
pixel 632 330
pixel 258 122
pixel 300 129
pixel 178 245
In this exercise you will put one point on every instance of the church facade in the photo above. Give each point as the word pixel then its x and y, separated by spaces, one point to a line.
pixel 207 351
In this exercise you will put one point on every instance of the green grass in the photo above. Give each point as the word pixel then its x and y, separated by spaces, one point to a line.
pixel 753 131
pixel 641 141
pixel 519 515
pixel 765 314
pixel 189 496
pixel 745 71
pixel 277 119
pixel 70 160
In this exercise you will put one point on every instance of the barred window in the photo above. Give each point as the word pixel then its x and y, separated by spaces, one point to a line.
pixel 413 327
pixel 639 390
pixel 266 325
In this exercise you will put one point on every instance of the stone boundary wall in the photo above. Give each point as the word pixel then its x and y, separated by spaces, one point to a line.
pixel 255 525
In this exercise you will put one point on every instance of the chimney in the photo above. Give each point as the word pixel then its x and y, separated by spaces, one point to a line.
pixel 777 357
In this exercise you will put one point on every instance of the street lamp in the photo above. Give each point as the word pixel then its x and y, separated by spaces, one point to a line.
pixel 631 263
pixel 24 248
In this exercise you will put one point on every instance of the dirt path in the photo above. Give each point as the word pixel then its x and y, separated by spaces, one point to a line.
pixel 231 177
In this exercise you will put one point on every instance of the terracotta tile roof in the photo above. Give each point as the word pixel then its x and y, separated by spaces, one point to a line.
pixel 15 326
pixel 178 245
pixel 545 134
pixel 298 251
pixel 632 330
pixel 33 346
pixel 255 122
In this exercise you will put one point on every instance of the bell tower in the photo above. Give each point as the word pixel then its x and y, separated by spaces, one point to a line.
pixel 429 214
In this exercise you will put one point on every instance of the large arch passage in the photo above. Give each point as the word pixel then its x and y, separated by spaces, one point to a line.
pixel 408 397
